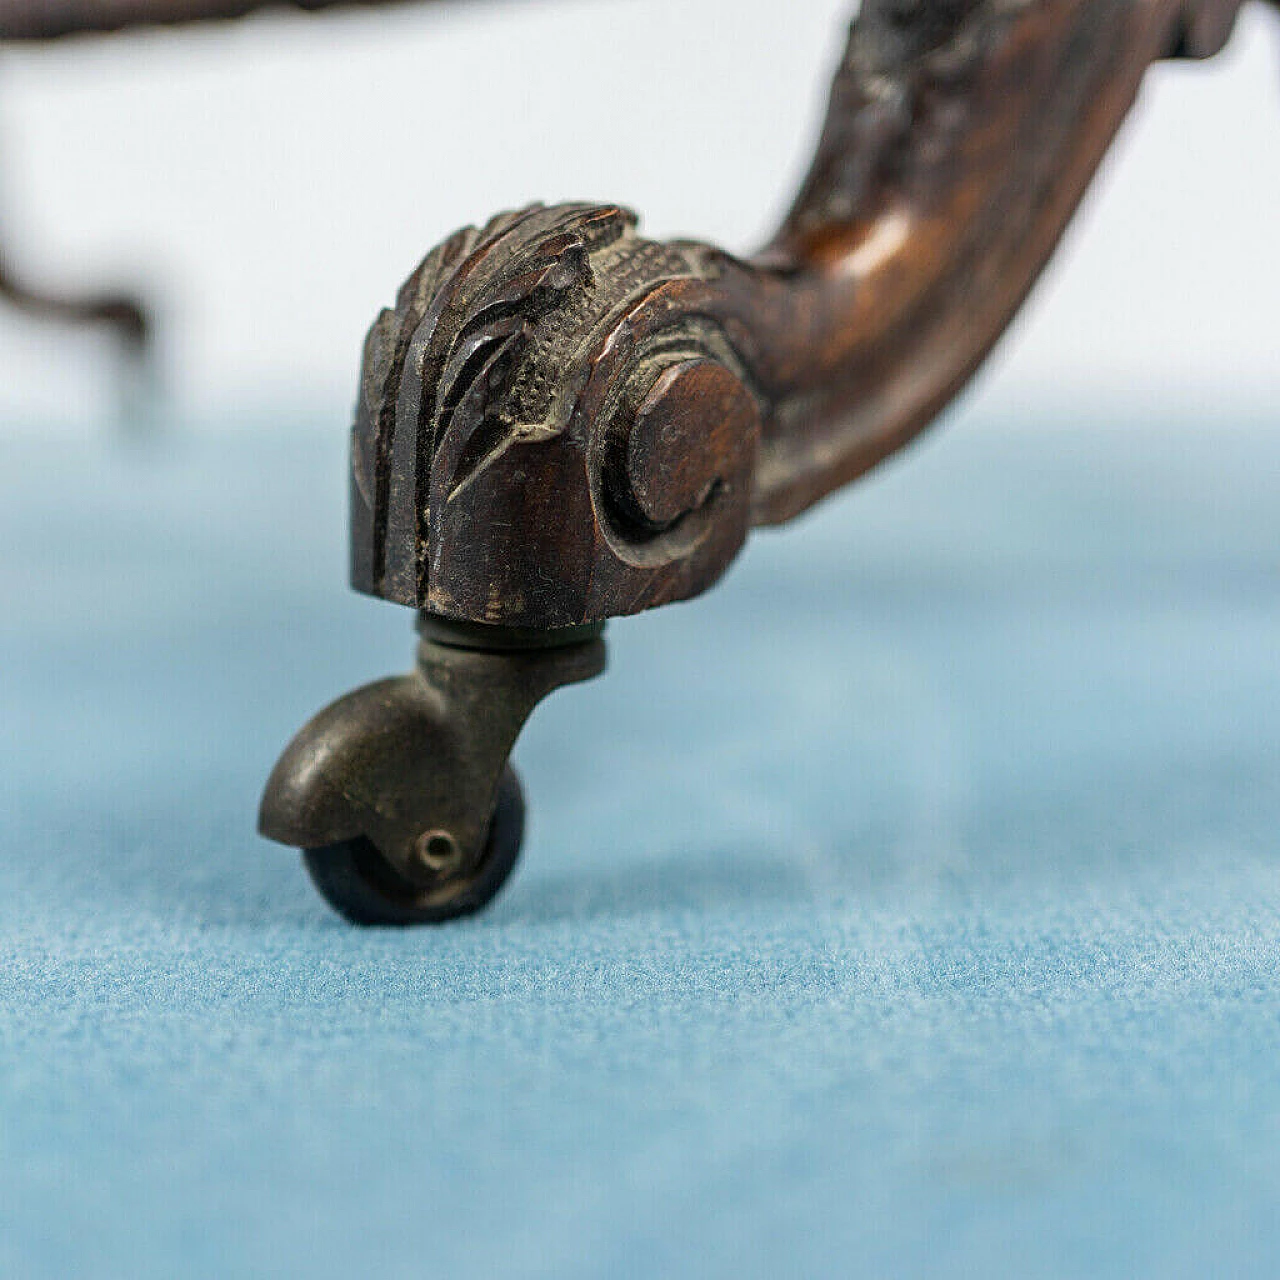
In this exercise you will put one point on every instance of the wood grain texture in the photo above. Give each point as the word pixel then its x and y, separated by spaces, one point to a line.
pixel 562 421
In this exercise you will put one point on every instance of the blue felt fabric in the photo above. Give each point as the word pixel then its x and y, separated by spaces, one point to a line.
pixel 910 905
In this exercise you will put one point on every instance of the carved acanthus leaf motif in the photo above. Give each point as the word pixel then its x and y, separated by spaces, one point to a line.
pixel 486 349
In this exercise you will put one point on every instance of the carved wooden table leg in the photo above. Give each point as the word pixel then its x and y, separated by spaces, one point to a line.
pixel 121 313
pixel 38 21
pixel 563 422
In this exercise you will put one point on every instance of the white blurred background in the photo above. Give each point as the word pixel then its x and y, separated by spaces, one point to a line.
pixel 272 182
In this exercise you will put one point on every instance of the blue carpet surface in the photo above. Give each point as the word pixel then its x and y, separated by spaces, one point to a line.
pixel 910 905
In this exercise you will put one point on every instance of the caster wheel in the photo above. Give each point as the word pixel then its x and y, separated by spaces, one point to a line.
pixel 360 884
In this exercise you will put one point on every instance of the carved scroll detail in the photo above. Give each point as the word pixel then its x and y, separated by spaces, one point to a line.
pixel 487 355
pixel 562 421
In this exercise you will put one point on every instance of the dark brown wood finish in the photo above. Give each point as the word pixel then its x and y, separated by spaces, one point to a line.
pixel 960 139
pixel 561 421
pixel 119 311
pixel 53 19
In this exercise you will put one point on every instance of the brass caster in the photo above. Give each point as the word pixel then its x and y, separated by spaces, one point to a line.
pixel 359 882
pixel 400 794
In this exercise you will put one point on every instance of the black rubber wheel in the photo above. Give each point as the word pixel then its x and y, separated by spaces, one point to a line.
pixel 360 884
